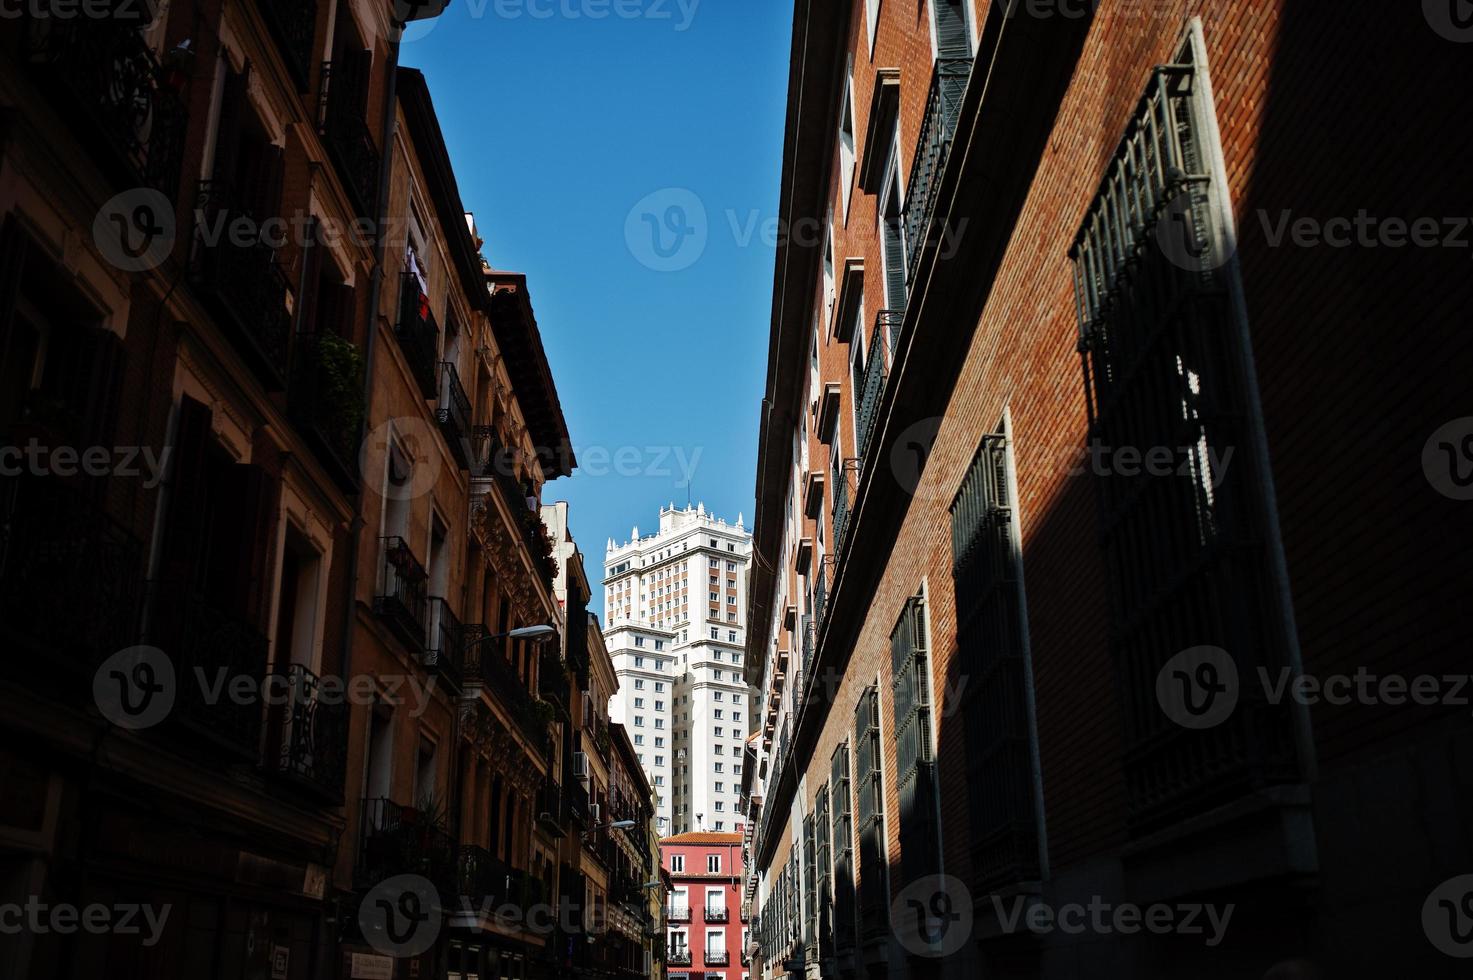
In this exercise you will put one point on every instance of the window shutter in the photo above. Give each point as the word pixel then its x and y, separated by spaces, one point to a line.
pixel 311 270
pixel 894 265
pixel 953 40
pixel 184 523
pixel 251 497
pixel 234 104
pixel 84 371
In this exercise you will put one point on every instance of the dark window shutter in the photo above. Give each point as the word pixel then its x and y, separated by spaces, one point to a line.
pixel 894 265
pixel 953 40
pixel 234 105
pixel 249 510
pixel 268 181
pixel 17 350
pixel 185 520
pixel 311 271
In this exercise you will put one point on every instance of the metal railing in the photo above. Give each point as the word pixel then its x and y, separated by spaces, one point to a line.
pixel 717 957
pixel 453 412
pixel 677 913
pixel 943 105
pixel 394 839
pixel 203 639
pixel 419 336
pixel 342 97
pixel 401 595
pixel 312 734
pixel 716 914
pixel 104 66
pixel 486 666
pixel 444 642
pixel 876 372
pixel 248 287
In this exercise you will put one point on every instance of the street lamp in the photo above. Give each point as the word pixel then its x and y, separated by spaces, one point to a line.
pixel 540 633
pixel 611 825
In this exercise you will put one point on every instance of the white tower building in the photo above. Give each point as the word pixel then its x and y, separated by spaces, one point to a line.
pixel 676 609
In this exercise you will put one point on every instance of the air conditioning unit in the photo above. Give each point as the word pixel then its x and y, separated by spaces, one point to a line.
pixel 580 765
pixel 594 813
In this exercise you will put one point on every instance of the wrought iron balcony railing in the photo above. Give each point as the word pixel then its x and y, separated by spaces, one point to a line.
pixel 717 914
pixel 247 287
pixel 206 641
pixel 717 957
pixel 485 665
pixel 679 957
pixel 401 598
pixel 493 462
pixel 841 510
pixel 876 373
pixel 294 22
pixel 326 401
pixel 69 578
pixel 343 95
pixel 103 67
pixel 394 839
pixel 550 806
pixel 484 879
pixel 444 648
pixel 453 412
pixel 310 735
pixel 677 913
pixel 933 147
pixel 419 335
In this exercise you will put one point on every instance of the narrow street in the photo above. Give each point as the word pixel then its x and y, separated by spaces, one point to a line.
pixel 704 490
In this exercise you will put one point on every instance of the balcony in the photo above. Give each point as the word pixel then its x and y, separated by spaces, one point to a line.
pixel 69 580
pixel 400 598
pixel 486 665
pixel 677 913
pixel 717 957
pixel 342 102
pixel 841 512
pixel 106 80
pixel 326 401
pixel 395 840
pixel 311 735
pixel 552 681
pixel 419 337
pixel 550 807
pixel 204 640
pixel 876 372
pixel 246 287
pixel 484 879
pixel 294 23
pixel 453 412
pixel 943 105
pixel 444 643
pixel 715 914
pixel 679 957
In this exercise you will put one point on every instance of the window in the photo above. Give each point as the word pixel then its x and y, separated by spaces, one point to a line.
pixel 720 787
pixel 892 234
pixel 736 768
pixel 736 716
pixel 874 889
pixel 951 36
pixel 639 642
pixel 736 699
pixel 639 702
pixel 717 767
pixel 731 638
pixel 638 661
pixel 1197 575
pixel 659 686
pixel 639 683
pixel 718 732
pixel 843 857
pixel 871 18
pixel 677 862
pixel 915 768
pixel 713 864
pixel 720 807
pixel 846 143
pixel 639 740
pixel 660 723
pixel 659 742
pixel 639 721
pixel 717 714
pixel 659 760
pixel 659 705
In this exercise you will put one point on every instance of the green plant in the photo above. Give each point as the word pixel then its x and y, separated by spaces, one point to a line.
pixel 543 711
pixel 340 367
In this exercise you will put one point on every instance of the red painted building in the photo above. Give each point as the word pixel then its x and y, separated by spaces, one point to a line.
pixel 707 929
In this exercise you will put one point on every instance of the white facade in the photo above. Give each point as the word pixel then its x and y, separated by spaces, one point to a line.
pixel 676 605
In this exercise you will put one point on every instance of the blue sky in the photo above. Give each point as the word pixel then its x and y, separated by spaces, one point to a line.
pixel 626 164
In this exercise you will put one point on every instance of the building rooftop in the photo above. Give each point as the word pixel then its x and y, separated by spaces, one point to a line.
pixel 702 837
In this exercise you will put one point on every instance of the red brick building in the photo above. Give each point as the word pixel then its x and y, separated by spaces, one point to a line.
pixel 706 926
pixel 1052 249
